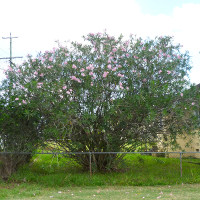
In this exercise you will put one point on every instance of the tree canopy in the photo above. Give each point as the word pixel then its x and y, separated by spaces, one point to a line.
pixel 107 94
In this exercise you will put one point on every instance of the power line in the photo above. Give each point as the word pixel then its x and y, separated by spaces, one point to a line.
pixel 10 58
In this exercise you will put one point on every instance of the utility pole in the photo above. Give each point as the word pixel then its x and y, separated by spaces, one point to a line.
pixel 10 58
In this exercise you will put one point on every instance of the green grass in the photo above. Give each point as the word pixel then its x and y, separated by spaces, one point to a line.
pixel 138 176
pixel 135 170
pixel 26 191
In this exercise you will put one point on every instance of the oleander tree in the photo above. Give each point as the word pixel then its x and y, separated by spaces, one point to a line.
pixel 106 94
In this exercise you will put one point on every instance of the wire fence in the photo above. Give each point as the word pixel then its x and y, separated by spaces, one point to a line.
pixel 90 154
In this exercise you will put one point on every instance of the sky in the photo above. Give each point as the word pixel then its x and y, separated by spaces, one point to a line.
pixel 39 23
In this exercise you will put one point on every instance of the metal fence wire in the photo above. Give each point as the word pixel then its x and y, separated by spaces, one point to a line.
pixel 90 154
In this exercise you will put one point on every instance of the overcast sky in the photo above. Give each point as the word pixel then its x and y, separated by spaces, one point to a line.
pixel 39 23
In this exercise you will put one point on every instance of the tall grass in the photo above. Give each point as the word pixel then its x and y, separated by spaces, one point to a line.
pixel 135 170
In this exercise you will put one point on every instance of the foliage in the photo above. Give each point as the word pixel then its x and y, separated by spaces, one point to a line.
pixel 106 94
pixel 18 134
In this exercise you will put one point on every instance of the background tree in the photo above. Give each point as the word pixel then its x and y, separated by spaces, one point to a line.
pixel 106 94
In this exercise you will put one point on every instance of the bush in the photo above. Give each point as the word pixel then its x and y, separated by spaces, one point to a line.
pixel 19 134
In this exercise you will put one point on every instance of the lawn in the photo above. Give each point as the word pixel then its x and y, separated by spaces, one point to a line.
pixel 137 177
pixel 26 191
pixel 135 170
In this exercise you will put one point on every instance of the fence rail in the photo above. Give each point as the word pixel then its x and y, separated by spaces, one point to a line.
pixel 93 153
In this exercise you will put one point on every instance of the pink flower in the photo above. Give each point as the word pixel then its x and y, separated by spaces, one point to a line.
pixel 119 66
pixel 111 57
pixel 109 67
pixel 91 84
pixel 168 72
pixel 181 94
pixel 126 43
pixel 123 49
pixel 19 71
pixel 10 69
pixel 193 103
pixel 179 57
pixel 159 71
pixel 82 70
pixel 114 49
pixel 75 79
pixel 79 60
pixel 91 73
pixel 91 34
pixel 90 67
pixel 120 85
pixel 36 73
pixel 64 87
pixel 114 69
pixel 20 104
pixel 145 60
pixel 74 66
pixel 127 55
pixel 82 74
pixel 41 74
pixel 134 71
pixel 65 63
pixel 120 75
pixel 24 102
pixel 127 88
pixel 50 59
pixel 68 92
pixel 16 99
pixel 39 85
pixel 105 74
pixel 50 66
